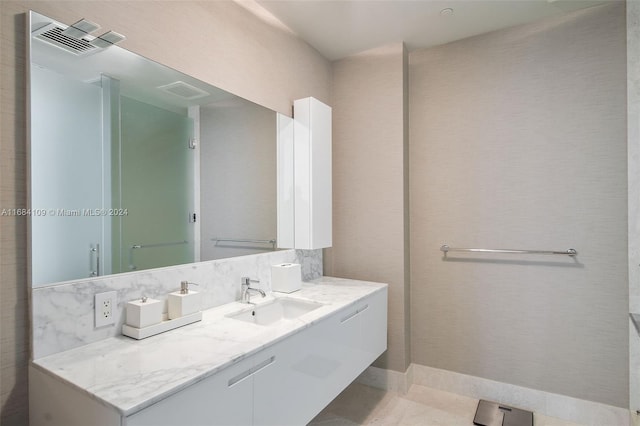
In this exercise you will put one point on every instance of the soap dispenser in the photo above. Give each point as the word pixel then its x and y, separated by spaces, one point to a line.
pixel 183 302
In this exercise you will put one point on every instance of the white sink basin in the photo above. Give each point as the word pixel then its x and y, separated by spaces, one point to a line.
pixel 280 309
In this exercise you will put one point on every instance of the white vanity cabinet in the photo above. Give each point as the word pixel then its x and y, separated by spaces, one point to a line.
pixel 285 383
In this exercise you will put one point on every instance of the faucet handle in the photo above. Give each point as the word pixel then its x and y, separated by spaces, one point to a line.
pixel 247 281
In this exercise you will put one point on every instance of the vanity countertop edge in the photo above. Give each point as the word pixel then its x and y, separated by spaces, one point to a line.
pixel 130 375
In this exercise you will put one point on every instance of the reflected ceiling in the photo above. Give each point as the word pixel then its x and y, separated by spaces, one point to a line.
pixel 140 78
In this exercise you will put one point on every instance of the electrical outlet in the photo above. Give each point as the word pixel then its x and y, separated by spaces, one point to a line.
pixel 105 306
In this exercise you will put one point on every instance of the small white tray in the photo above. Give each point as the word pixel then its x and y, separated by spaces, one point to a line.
pixel 152 330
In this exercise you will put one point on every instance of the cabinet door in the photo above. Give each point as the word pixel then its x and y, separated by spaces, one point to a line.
pixel 285 189
pixel 374 327
pixel 283 391
pixel 225 399
pixel 310 369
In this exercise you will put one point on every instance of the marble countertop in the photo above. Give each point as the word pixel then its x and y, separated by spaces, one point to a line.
pixel 129 375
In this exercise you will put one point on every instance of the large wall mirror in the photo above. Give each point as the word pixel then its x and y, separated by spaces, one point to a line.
pixel 135 165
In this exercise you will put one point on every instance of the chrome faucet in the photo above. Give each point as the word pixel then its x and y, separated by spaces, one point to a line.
pixel 246 296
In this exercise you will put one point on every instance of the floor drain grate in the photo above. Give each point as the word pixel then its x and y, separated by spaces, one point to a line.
pixel 494 414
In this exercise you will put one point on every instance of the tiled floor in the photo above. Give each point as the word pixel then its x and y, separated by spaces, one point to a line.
pixel 421 406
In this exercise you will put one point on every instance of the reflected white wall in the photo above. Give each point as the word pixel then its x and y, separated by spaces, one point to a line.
pixel 66 176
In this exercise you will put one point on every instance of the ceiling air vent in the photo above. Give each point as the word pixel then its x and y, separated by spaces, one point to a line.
pixel 184 90
pixel 52 34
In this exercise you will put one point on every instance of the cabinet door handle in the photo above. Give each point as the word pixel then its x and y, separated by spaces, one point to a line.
pixel 263 364
pixel 239 377
pixel 251 371
pixel 353 314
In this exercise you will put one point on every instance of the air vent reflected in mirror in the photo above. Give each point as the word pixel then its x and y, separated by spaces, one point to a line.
pixel 184 90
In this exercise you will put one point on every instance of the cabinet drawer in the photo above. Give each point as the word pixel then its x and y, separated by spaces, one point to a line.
pixel 224 399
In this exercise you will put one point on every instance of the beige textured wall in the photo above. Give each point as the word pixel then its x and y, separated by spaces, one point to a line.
pixel 216 41
pixel 518 140
pixel 369 183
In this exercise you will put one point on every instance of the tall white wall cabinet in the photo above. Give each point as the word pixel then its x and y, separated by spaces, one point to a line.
pixel 304 176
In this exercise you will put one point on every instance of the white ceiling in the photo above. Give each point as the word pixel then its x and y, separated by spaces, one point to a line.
pixel 339 28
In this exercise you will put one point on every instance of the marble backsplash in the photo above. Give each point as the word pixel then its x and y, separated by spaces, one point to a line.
pixel 63 315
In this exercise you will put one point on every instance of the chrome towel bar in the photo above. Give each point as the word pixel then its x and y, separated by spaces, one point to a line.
pixel 139 246
pixel 133 267
pixel 245 240
pixel 446 249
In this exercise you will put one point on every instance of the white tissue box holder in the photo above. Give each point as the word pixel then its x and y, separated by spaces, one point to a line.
pixel 286 277
pixel 143 314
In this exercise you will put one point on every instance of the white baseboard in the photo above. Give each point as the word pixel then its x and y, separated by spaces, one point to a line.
pixel 545 403
pixel 389 380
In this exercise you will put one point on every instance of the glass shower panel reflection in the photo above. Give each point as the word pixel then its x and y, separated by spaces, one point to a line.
pixel 154 153
pixel 66 177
